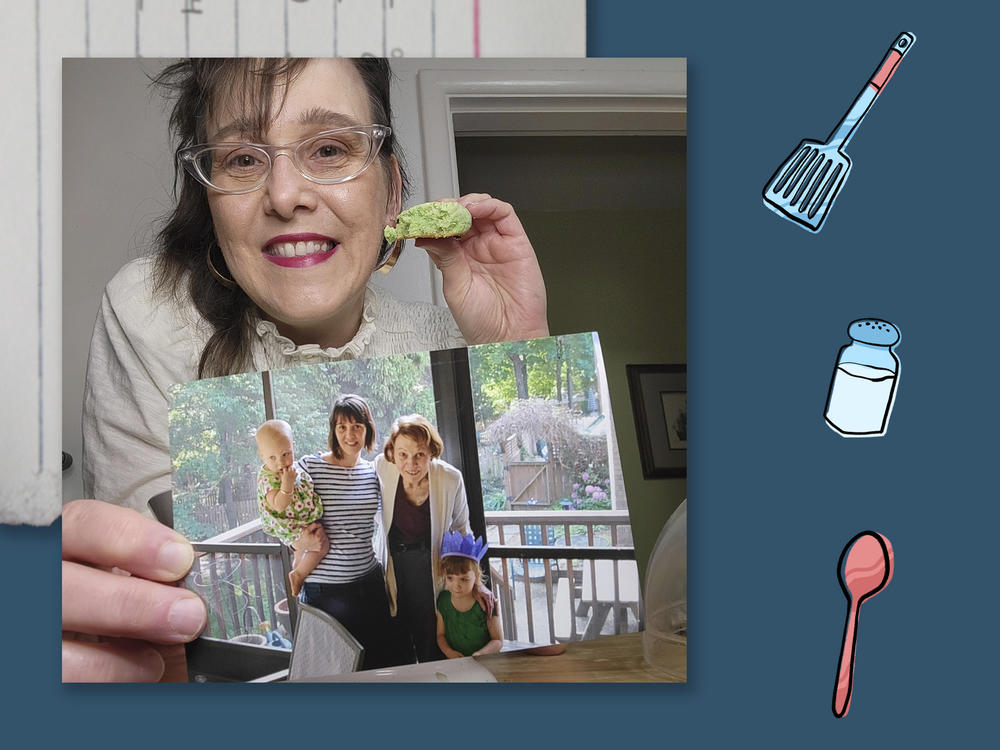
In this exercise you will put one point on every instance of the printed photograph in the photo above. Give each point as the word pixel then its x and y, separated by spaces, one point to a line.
pixel 347 514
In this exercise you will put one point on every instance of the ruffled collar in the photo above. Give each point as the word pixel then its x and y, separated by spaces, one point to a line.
pixel 276 345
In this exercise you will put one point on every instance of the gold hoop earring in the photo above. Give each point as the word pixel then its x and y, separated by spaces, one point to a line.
pixel 389 255
pixel 228 283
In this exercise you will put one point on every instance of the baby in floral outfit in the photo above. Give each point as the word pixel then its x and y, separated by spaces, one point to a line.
pixel 289 505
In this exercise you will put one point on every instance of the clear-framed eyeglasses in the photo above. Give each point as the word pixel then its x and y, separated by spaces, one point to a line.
pixel 327 158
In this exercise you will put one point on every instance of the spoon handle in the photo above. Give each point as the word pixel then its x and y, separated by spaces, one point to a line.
pixel 845 670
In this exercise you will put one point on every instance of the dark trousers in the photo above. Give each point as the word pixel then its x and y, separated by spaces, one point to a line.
pixel 415 605
pixel 362 607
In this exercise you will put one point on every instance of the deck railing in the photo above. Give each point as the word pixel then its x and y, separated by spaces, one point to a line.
pixel 242 575
pixel 558 576
pixel 564 575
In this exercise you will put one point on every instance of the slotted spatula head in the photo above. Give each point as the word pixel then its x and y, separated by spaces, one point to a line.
pixel 806 185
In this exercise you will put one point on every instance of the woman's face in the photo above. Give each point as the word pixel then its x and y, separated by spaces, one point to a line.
pixel 412 458
pixel 320 299
pixel 350 436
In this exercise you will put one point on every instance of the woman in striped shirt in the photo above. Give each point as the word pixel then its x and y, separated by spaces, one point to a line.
pixel 349 583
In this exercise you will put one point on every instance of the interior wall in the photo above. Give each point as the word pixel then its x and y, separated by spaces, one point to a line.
pixel 117 180
pixel 606 216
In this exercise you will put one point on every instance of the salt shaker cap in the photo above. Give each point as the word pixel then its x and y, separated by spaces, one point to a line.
pixel 873 331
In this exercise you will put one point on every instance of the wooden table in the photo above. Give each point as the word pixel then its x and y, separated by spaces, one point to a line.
pixel 603 598
pixel 610 658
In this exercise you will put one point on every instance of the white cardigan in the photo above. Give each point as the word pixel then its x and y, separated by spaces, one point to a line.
pixel 449 512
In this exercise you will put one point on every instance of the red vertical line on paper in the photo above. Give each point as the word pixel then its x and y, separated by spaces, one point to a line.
pixel 385 14
pixel 475 28
pixel 236 27
pixel 335 4
pixel 433 29
pixel 138 7
pixel 38 222
pixel 86 27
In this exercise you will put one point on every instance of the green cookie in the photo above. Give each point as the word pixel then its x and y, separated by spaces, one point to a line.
pixel 436 219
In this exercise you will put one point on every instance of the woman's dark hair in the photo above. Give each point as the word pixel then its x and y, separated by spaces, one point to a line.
pixel 188 235
pixel 351 408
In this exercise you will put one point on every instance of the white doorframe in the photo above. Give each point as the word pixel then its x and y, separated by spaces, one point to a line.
pixel 615 97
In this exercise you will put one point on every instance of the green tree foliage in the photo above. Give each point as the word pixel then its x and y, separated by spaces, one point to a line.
pixel 213 423
pixel 392 386
pixel 556 368
pixel 531 389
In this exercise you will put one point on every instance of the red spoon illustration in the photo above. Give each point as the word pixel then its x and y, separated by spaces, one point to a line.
pixel 865 568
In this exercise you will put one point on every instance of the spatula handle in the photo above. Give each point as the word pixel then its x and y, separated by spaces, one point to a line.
pixel 842 134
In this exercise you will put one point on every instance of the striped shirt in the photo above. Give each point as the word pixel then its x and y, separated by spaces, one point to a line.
pixel 350 497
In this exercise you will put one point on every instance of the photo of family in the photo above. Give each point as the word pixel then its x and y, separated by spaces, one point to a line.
pixel 386 504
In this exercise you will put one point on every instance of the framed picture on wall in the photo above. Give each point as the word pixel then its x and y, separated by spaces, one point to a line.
pixel 659 405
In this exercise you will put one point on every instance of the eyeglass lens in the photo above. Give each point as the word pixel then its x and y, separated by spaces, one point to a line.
pixel 330 157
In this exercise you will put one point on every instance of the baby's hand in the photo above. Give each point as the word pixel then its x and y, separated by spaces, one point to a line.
pixel 288 476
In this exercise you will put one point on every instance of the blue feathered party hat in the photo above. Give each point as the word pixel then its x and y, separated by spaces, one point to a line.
pixel 454 543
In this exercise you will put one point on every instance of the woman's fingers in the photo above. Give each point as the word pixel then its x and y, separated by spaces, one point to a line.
pixel 500 215
pixel 485 599
pixel 109 607
pixel 110 661
pixel 175 659
pixel 107 604
pixel 105 535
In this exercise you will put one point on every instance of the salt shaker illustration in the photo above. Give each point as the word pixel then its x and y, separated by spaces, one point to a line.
pixel 863 386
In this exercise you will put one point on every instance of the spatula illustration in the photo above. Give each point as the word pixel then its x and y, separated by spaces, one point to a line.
pixel 804 188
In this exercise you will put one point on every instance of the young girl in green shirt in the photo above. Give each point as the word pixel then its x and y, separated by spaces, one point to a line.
pixel 463 629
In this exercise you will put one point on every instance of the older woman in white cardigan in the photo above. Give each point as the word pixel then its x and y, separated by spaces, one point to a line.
pixel 422 498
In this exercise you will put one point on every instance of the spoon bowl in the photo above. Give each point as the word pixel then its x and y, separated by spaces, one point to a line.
pixel 865 568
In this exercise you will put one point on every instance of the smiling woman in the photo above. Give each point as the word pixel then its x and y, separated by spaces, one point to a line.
pixel 349 583
pixel 316 297
pixel 288 174
pixel 423 499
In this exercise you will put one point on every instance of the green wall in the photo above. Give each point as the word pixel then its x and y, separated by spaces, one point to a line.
pixel 606 216
pixel 626 282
